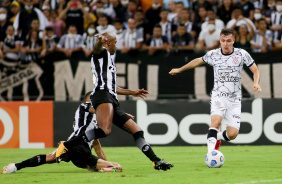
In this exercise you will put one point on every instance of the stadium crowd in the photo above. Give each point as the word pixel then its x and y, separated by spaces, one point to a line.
pixel 31 29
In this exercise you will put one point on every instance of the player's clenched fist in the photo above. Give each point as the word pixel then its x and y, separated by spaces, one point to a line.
pixel 174 71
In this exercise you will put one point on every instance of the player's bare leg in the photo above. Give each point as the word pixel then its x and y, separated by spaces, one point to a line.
pixel 141 143
pixel 105 114
pixel 232 132
pixel 212 141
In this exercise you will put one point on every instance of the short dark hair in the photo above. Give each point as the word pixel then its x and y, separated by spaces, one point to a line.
pixel 49 28
pixel 118 20
pixel 181 25
pixel 157 26
pixel 86 95
pixel 164 10
pixel 261 19
pixel 227 31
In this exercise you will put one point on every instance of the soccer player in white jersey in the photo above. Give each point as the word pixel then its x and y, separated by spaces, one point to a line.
pixel 227 63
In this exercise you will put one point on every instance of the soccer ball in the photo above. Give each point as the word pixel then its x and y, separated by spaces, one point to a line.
pixel 214 159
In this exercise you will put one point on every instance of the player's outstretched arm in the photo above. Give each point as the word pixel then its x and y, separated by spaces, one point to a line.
pixel 192 64
pixel 255 70
pixel 142 93
pixel 98 48
pixel 98 149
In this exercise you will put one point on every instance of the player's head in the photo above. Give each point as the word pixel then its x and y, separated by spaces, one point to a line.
pixel 87 96
pixel 227 39
pixel 111 43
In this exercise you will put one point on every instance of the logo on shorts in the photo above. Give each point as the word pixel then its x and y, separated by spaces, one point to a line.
pixel 236 116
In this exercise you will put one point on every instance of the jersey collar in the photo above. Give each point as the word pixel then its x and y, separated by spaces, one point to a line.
pixel 226 54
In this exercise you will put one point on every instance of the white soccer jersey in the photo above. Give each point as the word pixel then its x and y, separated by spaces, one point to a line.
pixel 227 71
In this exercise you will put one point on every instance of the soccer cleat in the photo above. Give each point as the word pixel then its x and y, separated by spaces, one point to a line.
pixel 11 168
pixel 217 145
pixel 60 151
pixel 162 165
pixel 110 169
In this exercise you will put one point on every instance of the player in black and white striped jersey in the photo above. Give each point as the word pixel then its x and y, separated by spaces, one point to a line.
pixel 81 155
pixel 105 102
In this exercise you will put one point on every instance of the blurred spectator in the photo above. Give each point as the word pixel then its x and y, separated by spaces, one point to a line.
pixel 276 19
pixel 92 17
pixel 46 11
pixel 247 8
pixel 31 48
pixel 167 27
pixel 270 8
pixel 167 2
pixel 257 14
pixel 141 23
pixel 36 26
pixel 156 42
pixel 118 24
pixel 172 10
pixel 104 26
pixel 238 19
pixel 225 10
pixel 262 40
pixel 4 23
pixel 118 8
pixel 278 42
pixel 147 4
pixel 10 46
pixel 131 10
pixel 219 24
pixel 196 6
pixel 153 15
pixel 190 26
pixel 243 37
pixel 53 4
pixel 209 37
pixel 176 19
pixel 71 42
pixel 132 39
pixel 23 19
pixel 260 4
pixel 201 18
pixel 75 14
pixel 57 24
pixel 89 40
pixel 49 41
pixel 15 8
pixel 182 40
pixel 103 9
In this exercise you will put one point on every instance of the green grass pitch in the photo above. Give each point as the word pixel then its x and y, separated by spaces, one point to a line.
pixel 243 164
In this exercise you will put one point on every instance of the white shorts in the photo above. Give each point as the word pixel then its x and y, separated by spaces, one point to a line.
pixel 229 111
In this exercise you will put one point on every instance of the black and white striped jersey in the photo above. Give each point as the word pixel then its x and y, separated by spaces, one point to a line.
pixel 83 120
pixel 104 72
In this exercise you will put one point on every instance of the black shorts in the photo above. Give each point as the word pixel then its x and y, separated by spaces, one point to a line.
pixel 100 97
pixel 81 156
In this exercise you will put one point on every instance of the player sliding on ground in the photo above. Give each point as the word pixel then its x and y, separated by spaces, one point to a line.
pixel 81 156
pixel 227 63
pixel 105 102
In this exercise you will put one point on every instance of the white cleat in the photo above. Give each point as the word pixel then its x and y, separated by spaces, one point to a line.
pixel 11 168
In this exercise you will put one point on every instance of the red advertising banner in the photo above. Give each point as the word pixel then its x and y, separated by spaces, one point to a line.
pixel 26 124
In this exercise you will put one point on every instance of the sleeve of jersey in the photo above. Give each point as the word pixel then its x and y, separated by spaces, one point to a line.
pixel 248 60
pixel 207 58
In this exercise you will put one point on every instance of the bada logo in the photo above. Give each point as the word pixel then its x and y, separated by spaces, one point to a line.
pixel 26 124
